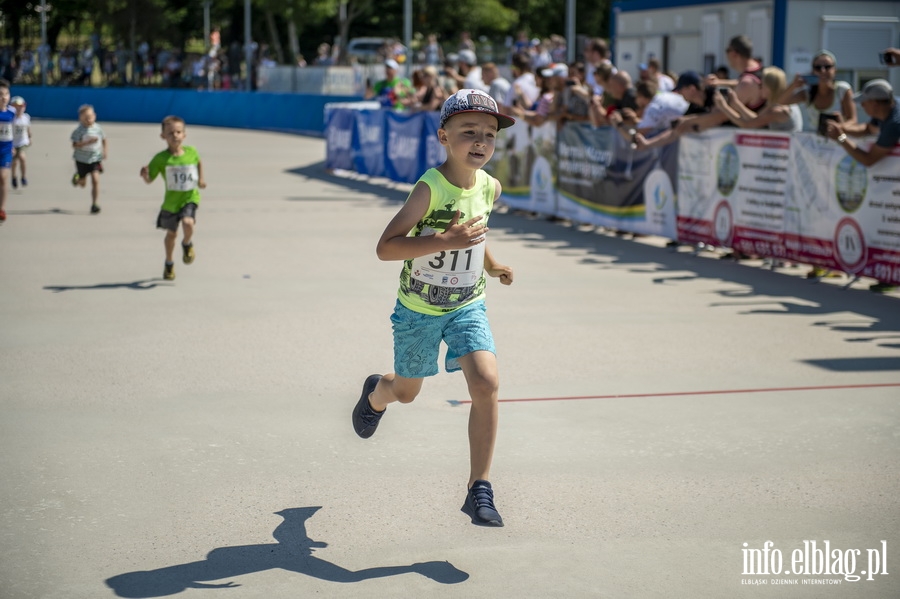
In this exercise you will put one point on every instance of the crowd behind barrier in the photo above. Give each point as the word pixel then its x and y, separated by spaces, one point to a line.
pixel 96 63
pixel 781 195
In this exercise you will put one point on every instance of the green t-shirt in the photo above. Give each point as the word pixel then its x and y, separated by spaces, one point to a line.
pixel 446 281
pixel 391 92
pixel 182 177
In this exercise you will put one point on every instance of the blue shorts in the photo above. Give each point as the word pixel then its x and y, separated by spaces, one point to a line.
pixel 417 338
pixel 6 157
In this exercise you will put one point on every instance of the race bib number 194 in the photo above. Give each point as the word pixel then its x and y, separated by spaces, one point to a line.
pixel 182 178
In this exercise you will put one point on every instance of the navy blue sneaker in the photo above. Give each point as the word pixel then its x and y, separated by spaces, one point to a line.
pixel 479 505
pixel 365 419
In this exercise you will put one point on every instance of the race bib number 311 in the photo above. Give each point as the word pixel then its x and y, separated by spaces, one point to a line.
pixel 450 268
pixel 182 178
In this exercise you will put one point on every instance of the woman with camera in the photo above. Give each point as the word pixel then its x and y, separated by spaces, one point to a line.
pixel 825 97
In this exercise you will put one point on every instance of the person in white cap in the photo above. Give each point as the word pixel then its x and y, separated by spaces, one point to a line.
pixel 440 236
pixel 392 91
pixel 877 100
pixel 21 139
pixel 468 74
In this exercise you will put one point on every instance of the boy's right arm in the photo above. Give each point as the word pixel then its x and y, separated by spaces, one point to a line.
pixel 145 174
pixel 394 243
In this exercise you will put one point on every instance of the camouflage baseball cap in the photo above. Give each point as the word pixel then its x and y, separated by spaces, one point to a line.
pixel 474 100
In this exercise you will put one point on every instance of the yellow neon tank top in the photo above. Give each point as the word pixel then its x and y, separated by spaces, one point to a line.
pixel 439 283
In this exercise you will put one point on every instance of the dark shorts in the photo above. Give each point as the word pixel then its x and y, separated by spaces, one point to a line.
pixel 88 167
pixel 169 220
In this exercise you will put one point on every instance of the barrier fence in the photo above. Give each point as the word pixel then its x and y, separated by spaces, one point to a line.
pixel 790 196
pixel 298 113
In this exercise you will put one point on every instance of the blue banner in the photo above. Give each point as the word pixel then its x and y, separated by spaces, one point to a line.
pixel 339 139
pixel 368 142
pixel 403 157
pixel 433 153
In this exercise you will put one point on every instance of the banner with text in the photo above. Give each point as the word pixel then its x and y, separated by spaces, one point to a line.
pixel 589 175
pixel 792 196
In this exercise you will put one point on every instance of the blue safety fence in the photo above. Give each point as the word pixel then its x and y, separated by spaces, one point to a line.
pixel 382 143
pixel 296 113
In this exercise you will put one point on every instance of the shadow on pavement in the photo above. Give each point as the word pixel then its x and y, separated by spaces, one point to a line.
pixel 880 364
pixel 292 552
pixel 354 183
pixel 142 285
pixel 39 212
pixel 765 291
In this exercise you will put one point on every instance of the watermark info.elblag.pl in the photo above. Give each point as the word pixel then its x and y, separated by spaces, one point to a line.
pixel 812 563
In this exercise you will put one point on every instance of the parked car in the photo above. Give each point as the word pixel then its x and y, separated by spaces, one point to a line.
pixel 367 50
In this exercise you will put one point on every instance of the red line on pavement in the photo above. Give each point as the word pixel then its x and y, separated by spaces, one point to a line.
pixel 682 393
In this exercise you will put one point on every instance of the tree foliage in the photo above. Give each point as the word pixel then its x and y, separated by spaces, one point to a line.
pixel 175 23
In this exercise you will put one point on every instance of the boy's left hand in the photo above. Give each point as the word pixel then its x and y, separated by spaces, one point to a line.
pixel 201 184
pixel 504 273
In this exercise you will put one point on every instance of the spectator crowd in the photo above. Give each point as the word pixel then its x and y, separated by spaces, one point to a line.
pixel 653 110
pixel 659 107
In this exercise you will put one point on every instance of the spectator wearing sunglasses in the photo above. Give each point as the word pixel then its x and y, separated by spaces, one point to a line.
pixel 828 96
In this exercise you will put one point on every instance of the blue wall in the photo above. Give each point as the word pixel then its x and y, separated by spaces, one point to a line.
pixel 298 113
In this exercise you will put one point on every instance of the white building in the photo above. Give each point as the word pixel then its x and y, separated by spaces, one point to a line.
pixel 692 34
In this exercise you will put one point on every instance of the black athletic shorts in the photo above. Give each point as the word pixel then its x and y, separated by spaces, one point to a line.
pixel 169 220
pixel 87 167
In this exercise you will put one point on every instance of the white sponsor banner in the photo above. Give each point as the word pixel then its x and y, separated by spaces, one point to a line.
pixel 796 196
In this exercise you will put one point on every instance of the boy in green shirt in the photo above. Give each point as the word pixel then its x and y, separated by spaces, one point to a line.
pixel 184 178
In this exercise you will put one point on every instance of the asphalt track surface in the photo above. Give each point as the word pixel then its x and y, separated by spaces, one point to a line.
pixel 192 438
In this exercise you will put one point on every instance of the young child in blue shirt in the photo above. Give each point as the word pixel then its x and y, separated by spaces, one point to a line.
pixel 440 235
pixel 7 117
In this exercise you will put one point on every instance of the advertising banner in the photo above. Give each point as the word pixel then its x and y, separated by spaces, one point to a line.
pixel 339 139
pixel 603 181
pixel 403 156
pixel 434 153
pixel 844 215
pixel 524 162
pixel 368 142
pixel 791 196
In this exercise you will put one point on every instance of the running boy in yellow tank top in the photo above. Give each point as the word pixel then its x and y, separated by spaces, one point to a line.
pixel 440 235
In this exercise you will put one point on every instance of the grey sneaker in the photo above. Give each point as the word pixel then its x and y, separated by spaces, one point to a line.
pixel 365 419
pixel 479 505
